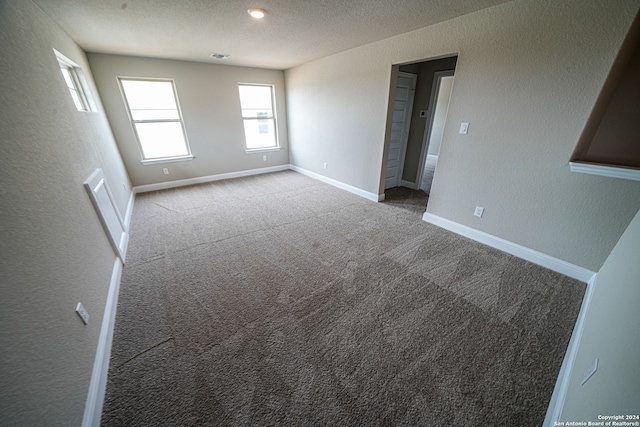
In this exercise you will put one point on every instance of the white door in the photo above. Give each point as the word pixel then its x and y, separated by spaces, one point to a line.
pixel 402 106
pixel 105 206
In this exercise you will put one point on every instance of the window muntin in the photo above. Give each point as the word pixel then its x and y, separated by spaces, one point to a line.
pixel 156 119
pixel 71 75
pixel 256 103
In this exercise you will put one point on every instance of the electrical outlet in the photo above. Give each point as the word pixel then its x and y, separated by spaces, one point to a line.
pixel 264 158
pixel 165 171
pixel 478 212
pixel 82 312
pixel 325 165
pixel 590 371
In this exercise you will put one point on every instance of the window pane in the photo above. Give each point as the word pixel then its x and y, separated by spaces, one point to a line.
pixel 149 95
pixel 159 140
pixel 255 97
pixel 260 133
pixel 76 99
pixel 67 78
pixel 256 102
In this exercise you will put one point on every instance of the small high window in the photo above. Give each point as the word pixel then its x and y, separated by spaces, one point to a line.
pixel 72 75
pixel 256 102
pixel 156 119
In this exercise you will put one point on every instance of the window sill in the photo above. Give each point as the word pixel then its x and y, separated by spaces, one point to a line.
pixel 167 160
pixel 261 150
pixel 605 170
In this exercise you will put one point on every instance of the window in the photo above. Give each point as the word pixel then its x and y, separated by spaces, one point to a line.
pixel 72 73
pixel 156 119
pixel 256 102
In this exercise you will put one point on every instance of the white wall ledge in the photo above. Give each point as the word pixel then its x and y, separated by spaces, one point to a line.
pixel 602 170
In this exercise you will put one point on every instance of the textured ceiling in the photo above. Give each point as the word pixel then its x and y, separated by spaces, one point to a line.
pixel 293 32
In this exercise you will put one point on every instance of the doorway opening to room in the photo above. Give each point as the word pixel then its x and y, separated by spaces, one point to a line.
pixel 418 104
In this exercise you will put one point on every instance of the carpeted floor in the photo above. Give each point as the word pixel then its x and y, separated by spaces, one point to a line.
pixel 280 300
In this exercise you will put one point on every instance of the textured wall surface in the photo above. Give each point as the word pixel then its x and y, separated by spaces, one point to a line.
pixel 527 77
pixel 611 335
pixel 208 96
pixel 617 140
pixel 53 250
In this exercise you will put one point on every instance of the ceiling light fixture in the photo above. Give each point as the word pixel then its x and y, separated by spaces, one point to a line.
pixel 257 13
pixel 220 56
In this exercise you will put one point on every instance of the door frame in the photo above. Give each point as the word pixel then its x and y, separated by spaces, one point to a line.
pixel 435 90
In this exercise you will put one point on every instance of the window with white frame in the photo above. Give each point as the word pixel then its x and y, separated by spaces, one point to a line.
pixel 256 102
pixel 72 73
pixel 156 119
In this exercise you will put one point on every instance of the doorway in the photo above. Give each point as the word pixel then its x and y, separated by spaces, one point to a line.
pixel 440 94
pixel 423 116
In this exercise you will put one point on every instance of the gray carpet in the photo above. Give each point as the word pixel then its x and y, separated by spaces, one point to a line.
pixel 280 300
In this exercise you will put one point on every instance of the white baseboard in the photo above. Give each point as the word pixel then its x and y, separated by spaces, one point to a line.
pixel 98 383
pixel 209 178
pixel 408 184
pixel 127 223
pixel 556 404
pixel 531 255
pixel 129 213
pixel 357 191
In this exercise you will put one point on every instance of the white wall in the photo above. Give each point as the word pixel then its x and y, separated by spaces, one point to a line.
pixel 527 77
pixel 208 95
pixel 53 250
pixel 611 335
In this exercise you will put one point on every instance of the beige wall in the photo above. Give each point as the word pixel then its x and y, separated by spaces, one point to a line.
pixel 527 77
pixel 208 95
pixel 53 250
pixel 611 335
pixel 616 141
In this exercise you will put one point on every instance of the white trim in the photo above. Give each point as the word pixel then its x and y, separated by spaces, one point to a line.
pixel 547 261
pixel 602 170
pixel 556 405
pixel 209 178
pixel 432 157
pixel 262 150
pixel 119 237
pixel 362 193
pixel 167 160
pixel 129 213
pixel 98 383
pixel 408 184
pixel 426 136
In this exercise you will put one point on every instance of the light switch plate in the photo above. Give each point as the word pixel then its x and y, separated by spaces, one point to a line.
pixel 464 128
pixel 82 312
pixel 588 373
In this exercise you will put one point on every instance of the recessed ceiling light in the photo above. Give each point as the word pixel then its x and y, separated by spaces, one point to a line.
pixel 257 13
pixel 220 56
